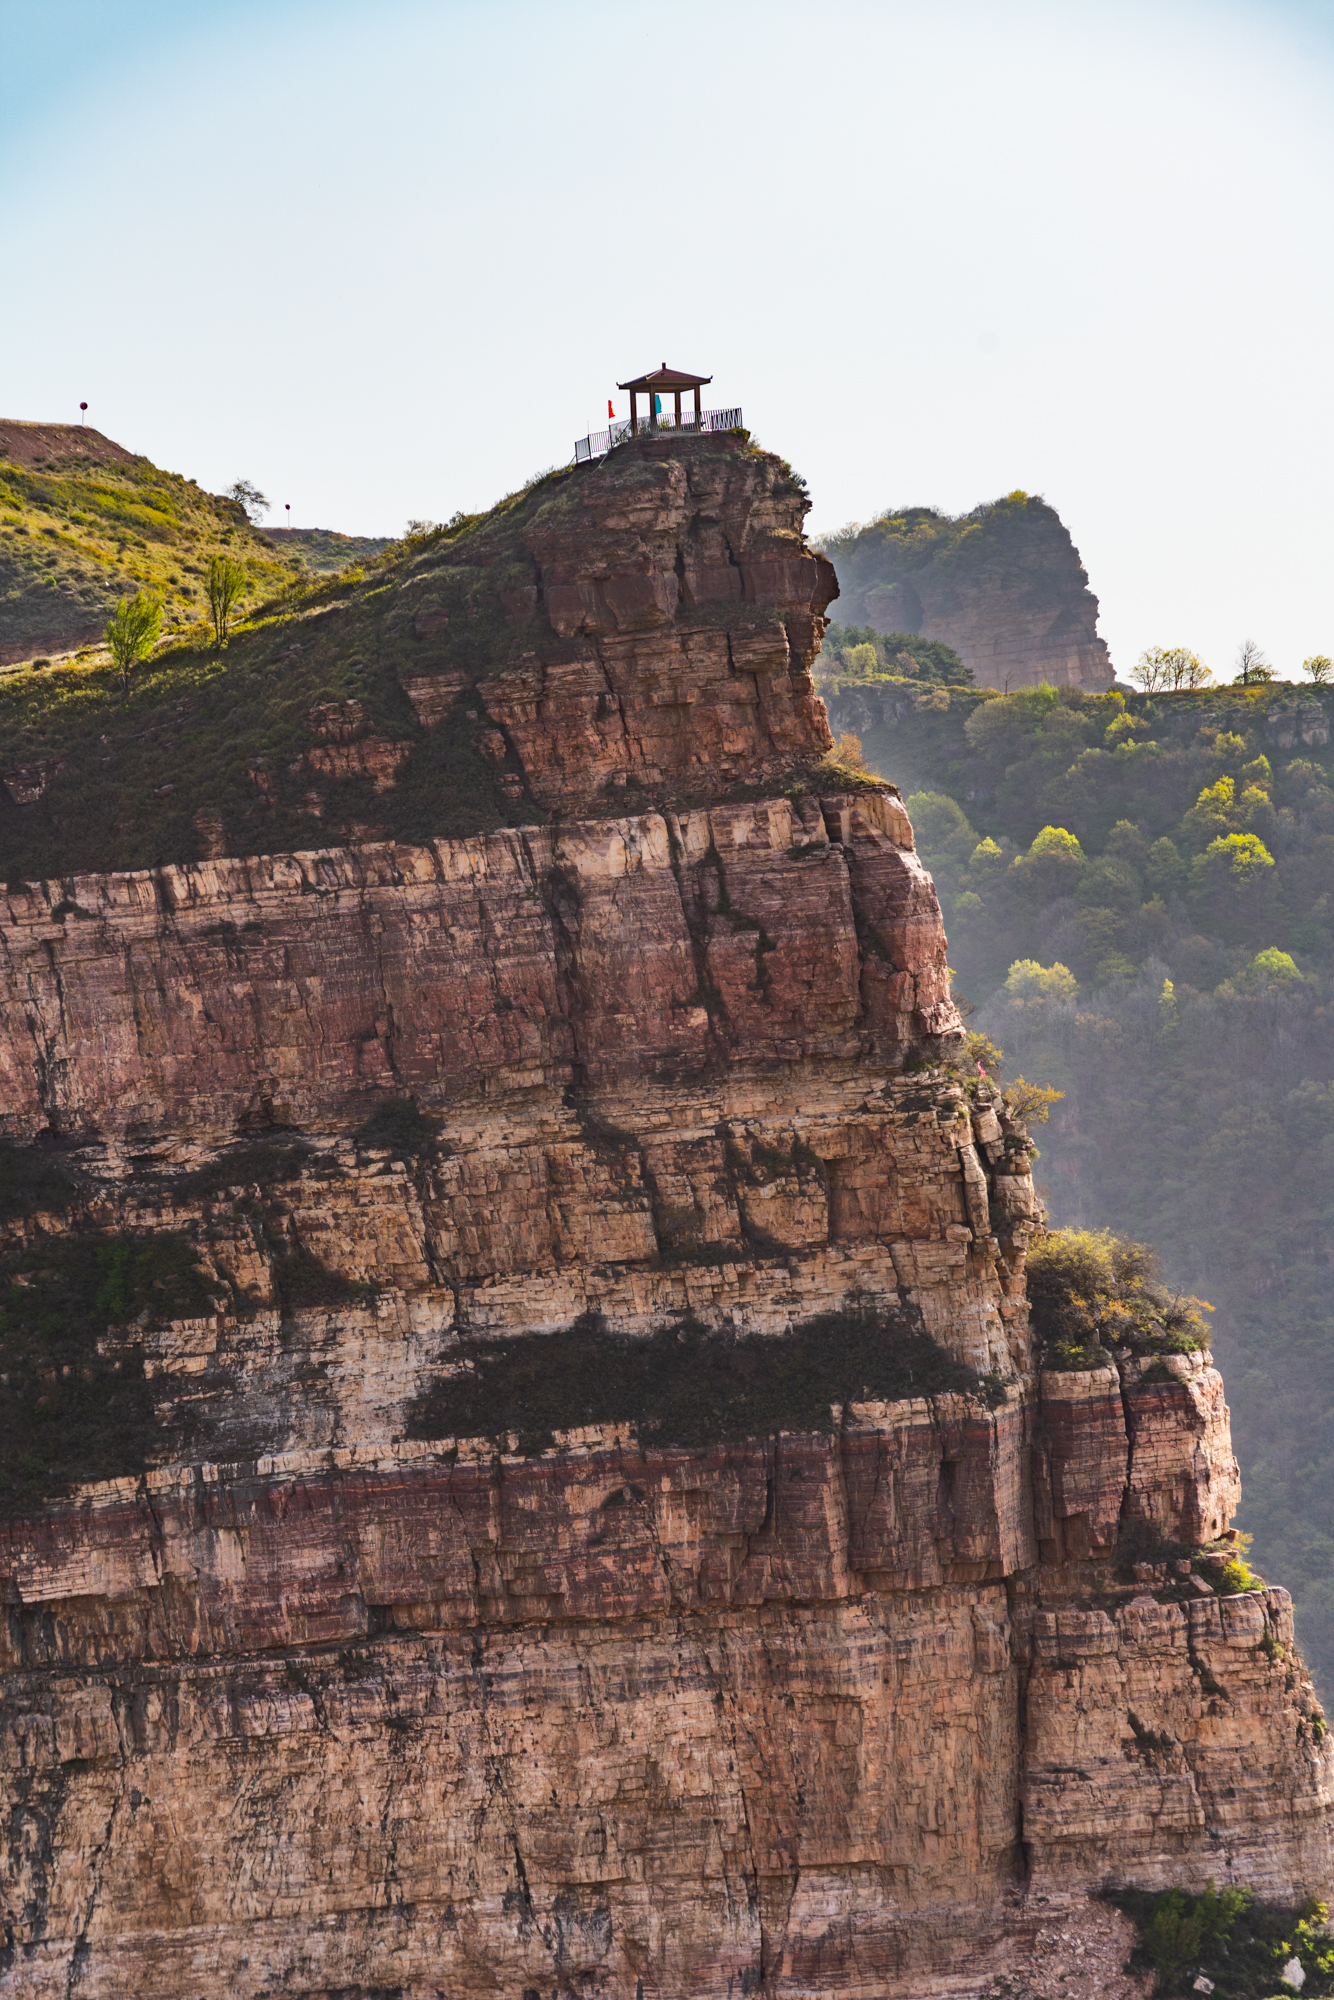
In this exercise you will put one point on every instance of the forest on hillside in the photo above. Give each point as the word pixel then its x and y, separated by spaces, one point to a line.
pixel 1139 896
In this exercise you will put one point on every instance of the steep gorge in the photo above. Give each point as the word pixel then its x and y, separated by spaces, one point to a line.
pixel 313 1692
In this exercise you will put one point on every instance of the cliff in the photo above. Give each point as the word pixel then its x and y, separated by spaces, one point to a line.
pixel 1002 585
pixel 605 640
pixel 525 1464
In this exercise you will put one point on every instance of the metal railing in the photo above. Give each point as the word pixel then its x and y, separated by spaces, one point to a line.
pixel 599 443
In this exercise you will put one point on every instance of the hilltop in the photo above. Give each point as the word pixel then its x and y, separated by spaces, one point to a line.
pixel 542 656
pixel 1002 585
pixel 324 550
pixel 84 522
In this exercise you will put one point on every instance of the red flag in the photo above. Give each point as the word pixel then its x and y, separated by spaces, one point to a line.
pixel 610 411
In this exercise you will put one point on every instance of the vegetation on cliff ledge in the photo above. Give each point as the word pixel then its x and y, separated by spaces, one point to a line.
pixel 81 530
pixel 885 565
pixel 1250 1950
pixel 1139 897
pixel 687 1384
pixel 75 1404
pixel 1095 1295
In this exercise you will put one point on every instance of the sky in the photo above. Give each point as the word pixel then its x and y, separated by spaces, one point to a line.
pixel 390 261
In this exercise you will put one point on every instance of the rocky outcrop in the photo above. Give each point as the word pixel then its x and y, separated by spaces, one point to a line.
pixel 1002 585
pixel 308 1684
pixel 295 990
pixel 670 612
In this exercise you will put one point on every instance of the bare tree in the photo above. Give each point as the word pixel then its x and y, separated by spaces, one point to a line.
pixel 1320 667
pixel 1252 665
pixel 1166 669
pixel 132 632
pixel 224 585
pixel 248 495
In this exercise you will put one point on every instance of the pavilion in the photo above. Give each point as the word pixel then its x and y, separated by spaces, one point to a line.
pixel 656 384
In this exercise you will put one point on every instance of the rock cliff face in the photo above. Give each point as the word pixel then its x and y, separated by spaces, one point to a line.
pixel 666 612
pixel 314 1689
pixel 1003 586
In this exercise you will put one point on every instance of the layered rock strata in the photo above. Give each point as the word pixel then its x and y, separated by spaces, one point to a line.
pixel 1003 585
pixel 319 1695
pixel 658 616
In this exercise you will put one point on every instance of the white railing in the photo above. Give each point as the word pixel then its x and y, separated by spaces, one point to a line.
pixel 599 443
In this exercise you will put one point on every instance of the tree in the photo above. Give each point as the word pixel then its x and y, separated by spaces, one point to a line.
pixel 1028 984
pixel 1164 669
pixel 224 585
pixel 1252 665
pixel 249 496
pixel 132 632
pixel 1320 667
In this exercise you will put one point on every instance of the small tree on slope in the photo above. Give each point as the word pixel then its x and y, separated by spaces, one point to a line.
pixel 224 586
pixel 132 632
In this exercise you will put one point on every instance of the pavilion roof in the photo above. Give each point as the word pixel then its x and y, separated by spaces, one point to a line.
pixel 666 378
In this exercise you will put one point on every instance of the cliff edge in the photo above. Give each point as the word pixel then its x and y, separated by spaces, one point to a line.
pixel 527 1469
pixel 1003 585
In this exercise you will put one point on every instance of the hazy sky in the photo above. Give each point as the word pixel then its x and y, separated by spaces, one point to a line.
pixel 390 260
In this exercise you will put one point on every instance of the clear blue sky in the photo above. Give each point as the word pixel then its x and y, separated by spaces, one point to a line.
pixel 388 261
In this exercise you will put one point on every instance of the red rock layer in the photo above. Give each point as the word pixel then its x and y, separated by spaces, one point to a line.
pixel 311 1709
pixel 684 611
pixel 290 990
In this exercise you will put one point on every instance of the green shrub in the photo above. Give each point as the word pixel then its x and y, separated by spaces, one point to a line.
pixel 1227 1935
pixel 1092 1291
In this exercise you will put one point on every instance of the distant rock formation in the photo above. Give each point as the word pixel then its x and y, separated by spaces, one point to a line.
pixel 1003 586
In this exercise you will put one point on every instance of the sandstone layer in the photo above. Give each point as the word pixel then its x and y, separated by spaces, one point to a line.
pixel 313 1692
pixel 659 614
pixel 1004 586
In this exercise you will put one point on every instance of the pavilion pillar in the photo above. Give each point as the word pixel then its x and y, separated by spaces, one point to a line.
pixel 678 409
pixel 634 416
pixel 697 415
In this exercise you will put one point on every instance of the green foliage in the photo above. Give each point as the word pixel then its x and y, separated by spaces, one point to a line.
pixel 1028 984
pixel 1273 968
pixel 940 824
pixel 70 1412
pixel 1229 1936
pixel 1163 669
pixel 132 632
pixel 77 536
pixel 224 587
pixel 686 1385
pixel 1031 1102
pixel 853 654
pixel 1320 668
pixel 1093 1292
pixel 1173 1935
pixel 1239 857
pixel 890 569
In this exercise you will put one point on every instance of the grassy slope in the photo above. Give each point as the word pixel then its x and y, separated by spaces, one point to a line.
pixel 76 535
pixel 1205 1121
pixel 201 727
pixel 323 550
